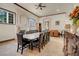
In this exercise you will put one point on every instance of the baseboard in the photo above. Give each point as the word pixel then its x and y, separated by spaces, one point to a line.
pixel 7 40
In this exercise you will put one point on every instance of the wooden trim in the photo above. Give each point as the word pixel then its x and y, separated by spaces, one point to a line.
pixel 54 14
pixel 7 10
pixel 25 9
pixel 7 40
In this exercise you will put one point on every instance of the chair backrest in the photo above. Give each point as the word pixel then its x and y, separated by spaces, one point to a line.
pixel 41 38
pixel 22 31
pixel 48 37
pixel 20 38
pixel 45 35
pixel 31 31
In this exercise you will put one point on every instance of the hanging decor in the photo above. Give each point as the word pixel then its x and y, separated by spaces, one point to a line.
pixel 74 15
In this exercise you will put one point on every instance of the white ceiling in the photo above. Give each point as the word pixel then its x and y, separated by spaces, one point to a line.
pixel 51 8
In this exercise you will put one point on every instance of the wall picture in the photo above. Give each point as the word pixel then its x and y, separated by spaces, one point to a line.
pixel 57 23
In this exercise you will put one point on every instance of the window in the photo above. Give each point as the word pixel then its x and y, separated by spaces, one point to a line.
pixel 3 16
pixel 10 18
pixel 46 25
pixel 7 17
pixel 32 23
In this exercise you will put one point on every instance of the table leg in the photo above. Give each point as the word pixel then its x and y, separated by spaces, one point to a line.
pixel 31 45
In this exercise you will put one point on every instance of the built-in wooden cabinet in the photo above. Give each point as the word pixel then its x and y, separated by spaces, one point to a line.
pixel 71 44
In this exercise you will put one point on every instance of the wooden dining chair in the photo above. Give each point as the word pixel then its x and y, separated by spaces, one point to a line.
pixel 48 37
pixel 45 38
pixel 22 42
pixel 22 31
pixel 39 42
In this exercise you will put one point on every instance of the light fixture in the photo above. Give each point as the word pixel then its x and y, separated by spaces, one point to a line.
pixel 40 6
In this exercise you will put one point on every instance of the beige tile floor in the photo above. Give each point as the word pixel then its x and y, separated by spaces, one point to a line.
pixel 53 48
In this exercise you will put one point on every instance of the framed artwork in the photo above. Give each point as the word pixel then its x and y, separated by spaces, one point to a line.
pixel 32 23
pixel 57 23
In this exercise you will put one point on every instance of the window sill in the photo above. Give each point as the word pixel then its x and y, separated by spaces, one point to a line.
pixel 7 24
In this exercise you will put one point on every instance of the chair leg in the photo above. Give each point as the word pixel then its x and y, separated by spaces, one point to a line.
pixel 42 45
pixel 29 46
pixel 39 49
pixel 17 47
pixel 22 50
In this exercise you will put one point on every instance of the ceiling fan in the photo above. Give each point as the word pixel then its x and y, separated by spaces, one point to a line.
pixel 40 6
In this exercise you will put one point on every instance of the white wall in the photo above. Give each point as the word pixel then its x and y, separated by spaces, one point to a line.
pixel 62 18
pixel 42 21
pixel 24 17
pixel 24 23
pixel 8 31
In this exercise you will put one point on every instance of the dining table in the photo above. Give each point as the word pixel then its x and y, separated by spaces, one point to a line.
pixel 32 37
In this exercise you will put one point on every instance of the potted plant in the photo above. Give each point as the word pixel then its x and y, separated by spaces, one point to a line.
pixel 74 16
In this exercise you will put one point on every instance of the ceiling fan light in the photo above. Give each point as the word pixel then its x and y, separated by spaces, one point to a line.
pixel 40 6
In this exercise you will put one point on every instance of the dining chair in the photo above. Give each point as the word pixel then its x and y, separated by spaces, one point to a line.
pixel 48 36
pixel 39 42
pixel 22 31
pixel 45 38
pixel 22 42
pixel 42 40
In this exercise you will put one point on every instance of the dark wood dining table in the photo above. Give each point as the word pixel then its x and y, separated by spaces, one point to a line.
pixel 32 37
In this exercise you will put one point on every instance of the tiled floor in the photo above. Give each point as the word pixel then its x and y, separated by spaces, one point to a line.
pixel 53 48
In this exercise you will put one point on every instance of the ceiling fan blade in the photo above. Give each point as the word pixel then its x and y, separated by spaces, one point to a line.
pixel 43 6
pixel 40 4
